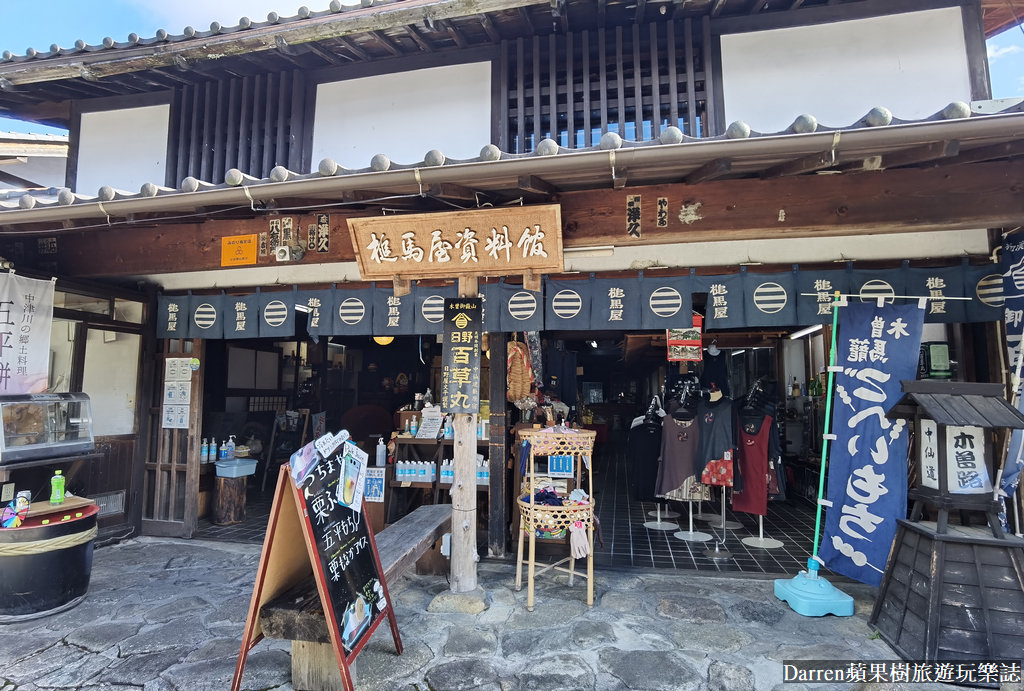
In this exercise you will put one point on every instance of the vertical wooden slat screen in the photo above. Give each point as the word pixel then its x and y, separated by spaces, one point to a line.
pixel 268 125
pixel 710 116
pixel 295 122
pixel 219 138
pixel 632 76
pixel 256 125
pixel 206 157
pixel 503 142
pixel 245 124
pixel 234 118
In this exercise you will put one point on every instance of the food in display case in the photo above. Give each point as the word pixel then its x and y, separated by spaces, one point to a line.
pixel 45 426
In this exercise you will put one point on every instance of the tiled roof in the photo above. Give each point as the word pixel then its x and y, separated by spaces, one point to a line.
pixel 865 145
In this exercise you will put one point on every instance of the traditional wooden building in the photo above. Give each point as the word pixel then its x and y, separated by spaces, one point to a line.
pixel 847 141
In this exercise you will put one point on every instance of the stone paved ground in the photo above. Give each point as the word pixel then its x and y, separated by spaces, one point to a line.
pixel 169 614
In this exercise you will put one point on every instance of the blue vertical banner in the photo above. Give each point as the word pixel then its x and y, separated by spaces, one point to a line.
pixel 615 303
pixel 353 311
pixel 877 348
pixel 430 307
pixel 520 309
pixel 567 305
pixel 393 315
pixel 319 315
pixel 939 285
pixel 491 301
pixel 815 290
pixel 172 316
pixel 770 299
pixel 725 300
pixel 277 314
pixel 1012 298
pixel 666 302
pixel 241 316
pixel 205 312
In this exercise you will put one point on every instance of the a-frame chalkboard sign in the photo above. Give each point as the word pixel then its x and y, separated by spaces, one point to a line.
pixel 312 528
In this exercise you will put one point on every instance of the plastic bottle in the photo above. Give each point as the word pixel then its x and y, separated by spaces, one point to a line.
pixel 211 454
pixel 57 487
pixel 407 426
pixel 415 425
pixel 423 473
pixel 382 454
pixel 231 447
pixel 204 451
pixel 222 452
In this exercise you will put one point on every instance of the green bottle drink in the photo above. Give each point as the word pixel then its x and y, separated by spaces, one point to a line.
pixel 57 488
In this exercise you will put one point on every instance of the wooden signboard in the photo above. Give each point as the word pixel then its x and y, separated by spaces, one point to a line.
pixel 312 529
pixel 460 356
pixel 480 242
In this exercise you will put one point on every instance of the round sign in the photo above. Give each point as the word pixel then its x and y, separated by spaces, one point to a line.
pixel 194 364
pixel 990 290
pixel 666 301
pixel 275 313
pixel 877 288
pixel 566 304
pixel 433 309
pixel 205 316
pixel 770 298
pixel 351 311
pixel 522 305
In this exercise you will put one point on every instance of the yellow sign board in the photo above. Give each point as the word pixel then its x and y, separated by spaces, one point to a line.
pixel 479 242
pixel 238 250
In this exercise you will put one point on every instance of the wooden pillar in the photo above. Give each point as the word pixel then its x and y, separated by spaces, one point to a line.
pixel 464 554
pixel 497 452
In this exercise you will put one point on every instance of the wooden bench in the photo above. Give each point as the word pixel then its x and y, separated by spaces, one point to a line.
pixel 296 615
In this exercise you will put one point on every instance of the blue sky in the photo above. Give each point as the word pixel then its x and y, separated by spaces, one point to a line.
pixel 31 23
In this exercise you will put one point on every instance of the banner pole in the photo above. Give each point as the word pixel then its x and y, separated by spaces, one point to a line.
pixel 828 423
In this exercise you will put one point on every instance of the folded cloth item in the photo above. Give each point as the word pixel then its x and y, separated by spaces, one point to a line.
pixel 578 495
pixel 547 498
pixel 579 545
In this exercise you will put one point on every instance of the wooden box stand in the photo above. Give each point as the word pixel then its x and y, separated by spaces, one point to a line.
pixel 229 502
pixel 957 595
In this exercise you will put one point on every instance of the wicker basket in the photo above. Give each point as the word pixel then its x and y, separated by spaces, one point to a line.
pixel 552 521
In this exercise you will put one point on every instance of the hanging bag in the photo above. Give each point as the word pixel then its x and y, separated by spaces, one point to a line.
pixel 520 373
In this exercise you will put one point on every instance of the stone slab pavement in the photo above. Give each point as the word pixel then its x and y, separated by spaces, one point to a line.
pixel 165 614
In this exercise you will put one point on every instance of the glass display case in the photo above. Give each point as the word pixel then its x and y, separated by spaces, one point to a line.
pixel 48 425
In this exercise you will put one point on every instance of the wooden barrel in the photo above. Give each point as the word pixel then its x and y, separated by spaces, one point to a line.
pixel 45 568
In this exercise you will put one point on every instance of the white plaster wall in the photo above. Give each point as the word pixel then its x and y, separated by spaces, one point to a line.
pixel 914 64
pixel 122 148
pixel 404 115
pixel 48 171
pixel 110 379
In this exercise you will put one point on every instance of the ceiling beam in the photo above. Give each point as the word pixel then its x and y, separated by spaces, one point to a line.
pixel 922 154
pixel 419 39
pixel 709 171
pixel 807 164
pixel 537 185
pixel 449 190
pixel 456 35
pixel 492 31
pixel 758 6
pixel 389 45
pixel 355 50
pixel 525 16
pixel 716 8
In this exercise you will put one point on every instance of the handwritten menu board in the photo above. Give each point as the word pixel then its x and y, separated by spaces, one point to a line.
pixel 460 357
pixel 331 492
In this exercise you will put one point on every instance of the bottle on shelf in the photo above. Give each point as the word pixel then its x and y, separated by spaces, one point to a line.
pixel 795 390
pixel 222 452
pixel 415 425
pixel 407 426
pixel 231 447
pixel 212 453
pixel 381 458
pixel 57 487
pixel 204 451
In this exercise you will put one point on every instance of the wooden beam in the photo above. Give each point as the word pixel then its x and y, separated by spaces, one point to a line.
pixel 796 4
pixel 922 154
pixel 19 181
pixel 537 185
pixel 807 164
pixel 390 45
pixel 13 159
pixel 716 8
pixel 758 6
pixel 641 7
pixel 709 171
pixel 449 190
pixel 418 38
pixel 456 35
pixel 490 29
pixel 525 16
pixel 602 9
pixel 370 17
pixel 317 50
pixel 355 50
pixel 987 153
